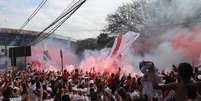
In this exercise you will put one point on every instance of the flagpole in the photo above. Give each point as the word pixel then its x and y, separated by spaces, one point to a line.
pixel 62 67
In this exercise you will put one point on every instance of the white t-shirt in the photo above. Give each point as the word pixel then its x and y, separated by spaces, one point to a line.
pixel 79 98
pixel 148 89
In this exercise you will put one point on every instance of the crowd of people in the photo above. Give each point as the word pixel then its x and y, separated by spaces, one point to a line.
pixel 180 84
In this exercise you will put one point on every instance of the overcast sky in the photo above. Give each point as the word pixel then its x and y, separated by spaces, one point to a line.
pixel 87 22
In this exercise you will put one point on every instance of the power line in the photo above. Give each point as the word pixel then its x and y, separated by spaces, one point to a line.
pixel 65 10
pixel 57 22
pixel 60 23
pixel 30 17
pixel 61 16
pixel 33 14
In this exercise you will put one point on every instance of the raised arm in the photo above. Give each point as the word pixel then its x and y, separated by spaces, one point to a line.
pixel 164 87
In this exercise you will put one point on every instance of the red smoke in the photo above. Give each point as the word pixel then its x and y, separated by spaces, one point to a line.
pixel 49 58
pixel 188 42
pixel 99 63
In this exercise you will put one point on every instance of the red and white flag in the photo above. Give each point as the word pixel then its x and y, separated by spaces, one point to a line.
pixel 123 43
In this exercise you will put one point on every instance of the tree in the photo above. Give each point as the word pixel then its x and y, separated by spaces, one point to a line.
pixel 149 16
pixel 104 40
pixel 128 17
pixel 82 45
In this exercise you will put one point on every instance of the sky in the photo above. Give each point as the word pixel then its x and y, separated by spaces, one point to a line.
pixel 87 22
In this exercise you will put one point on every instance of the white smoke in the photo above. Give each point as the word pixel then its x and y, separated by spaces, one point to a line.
pixel 164 18
pixel 165 12
pixel 47 53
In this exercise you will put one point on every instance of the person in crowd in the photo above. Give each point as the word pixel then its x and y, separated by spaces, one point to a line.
pixel 185 88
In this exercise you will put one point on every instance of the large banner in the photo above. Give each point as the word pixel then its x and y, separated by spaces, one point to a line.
pixel 123 43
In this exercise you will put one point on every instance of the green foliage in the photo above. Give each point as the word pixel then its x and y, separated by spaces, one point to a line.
pixel 102 41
